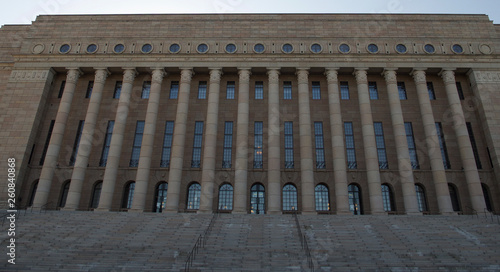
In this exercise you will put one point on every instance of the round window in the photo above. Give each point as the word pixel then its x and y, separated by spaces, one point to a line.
pixel 316 48
pixel 231 48
pixel 457 48
pixel 344 48
pixel 202 48
pixel 401 48
pixel 91 48
pixel 174 48
pixel 429 48
pixel 259 48
pixel 372 48
pixel 147 48
pixel 64 48
pixel 119 48
pixel 287 48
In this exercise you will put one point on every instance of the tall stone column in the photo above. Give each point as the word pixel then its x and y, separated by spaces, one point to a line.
pixel 144 167
pixel 338 149
pixel 432 141
pixel 464 145
pixel 306 154
pixel 370 148
pixel 210 147
pixel 241 162
pixel 403 155
pixel 115 148
pixel 273 143
pixel 82 158
pixel 177 161
pixel 52 155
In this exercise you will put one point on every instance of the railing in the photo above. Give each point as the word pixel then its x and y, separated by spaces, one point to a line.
pixel 303 242
pixel 472 211
pixel 200 242
pixel 44 207
pixel 492 215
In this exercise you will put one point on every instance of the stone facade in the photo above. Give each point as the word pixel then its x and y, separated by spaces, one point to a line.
pixel 304 50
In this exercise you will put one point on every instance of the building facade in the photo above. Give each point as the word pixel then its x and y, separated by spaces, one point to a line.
pixel 253 113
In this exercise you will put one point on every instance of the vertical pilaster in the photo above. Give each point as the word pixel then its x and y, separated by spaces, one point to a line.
pixel 370 148
pixel 115 149
pixel 403 155
pixel 210 147
pixel 52 155
pixel 306 154
pixel 273 159
pixel 144 167
pixel 177 161
pixel 464 145
pixel 338 149
pixel 241 163
pixel 431 139
pixel 82 158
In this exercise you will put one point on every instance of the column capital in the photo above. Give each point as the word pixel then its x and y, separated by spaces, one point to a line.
pixel 244 74
pixel 101 74
pixel 448 76
pixel 332 75
pixel 73 74
pixel 390 75
pixel 186 75
pixel 302 75
pixel 419 76
pixel 361 75
pixel 129 75
pixel 273 74
pixel 157 75
pixel 215 74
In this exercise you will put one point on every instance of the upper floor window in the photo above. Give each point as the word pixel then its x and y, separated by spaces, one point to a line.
pixel 230 90
pixel 372 89
pixel 118 90
pixel 259 90
pixel 90 87
pixel 146 89
pixel 344 90
pixel 202 90
pixel 174 89
pixel 430 89
pixel 287 90
pixel 316 90
pixel 402 91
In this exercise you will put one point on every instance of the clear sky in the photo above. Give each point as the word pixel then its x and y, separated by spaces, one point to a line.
pixel 25 11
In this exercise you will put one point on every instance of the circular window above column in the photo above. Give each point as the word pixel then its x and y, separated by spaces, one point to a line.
pixel 344 48
pixel 230 48
pixel 64 48
pixel 457 49
pixel 372 48
pixel 202 48
pixel 92 48
pixel 259 48
pixel 174 48
pixel 429 49
pixel 316 48
pixel 287 48
pixel 401 48
pixel 147 48
pixel 119 48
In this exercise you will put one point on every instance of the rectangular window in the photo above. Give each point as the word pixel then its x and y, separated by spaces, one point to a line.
pixel 379 138
pixel 202 90
pixel 402 91
pixel 430 89
pixel 228 145
pixel 316 90
pixel 107 144
pixel 474 146
pixel 289 145
pixel 460 91
pixel 77 142
pixel 344 90
pixel 258 145
pixel 61 89
pixel 136 148
pixel 287 90
pixel 167 144
pixel 349 146
pixel 230 90
pixel 259 90
pixel 442 145
pixel 410 139
pixel 118 90
pixel 146 89
pixel 47 141
pixel 320 147
pixel 90 87
pixel 372 89
pixel 174 89
pixel 197 143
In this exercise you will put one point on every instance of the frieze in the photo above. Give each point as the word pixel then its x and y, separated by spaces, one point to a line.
pixel 479 77
pixel 31 75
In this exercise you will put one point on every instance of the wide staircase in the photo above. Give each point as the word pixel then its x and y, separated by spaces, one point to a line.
pixel 120 241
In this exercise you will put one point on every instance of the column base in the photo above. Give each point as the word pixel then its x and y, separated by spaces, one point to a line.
pixel 274 212
pixel 204 212
pixel 170 211
pixel 308 213
pixel 101 210
pixel 448 213
pixel 239 212
pixel 343 213
pixel 135 210
pixel 68 209
pixel 414 213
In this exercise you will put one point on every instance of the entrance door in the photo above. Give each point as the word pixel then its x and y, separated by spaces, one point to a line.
pixel 257 199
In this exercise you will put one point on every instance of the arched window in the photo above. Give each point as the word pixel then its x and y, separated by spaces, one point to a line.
pixel 128 195
pixel 455 200
pixel 289 198
pixel 387 198
pixel 487 199
pixel 257 199
pixel 96 195
pixel 160 197
pixel 226 197
pixel 33 192
pixel 355 199
pixel 64 193
pixel 422 202
pixel 194 193
pixel 322 198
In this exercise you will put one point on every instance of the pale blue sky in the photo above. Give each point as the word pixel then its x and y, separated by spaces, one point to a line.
pixel 23 12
